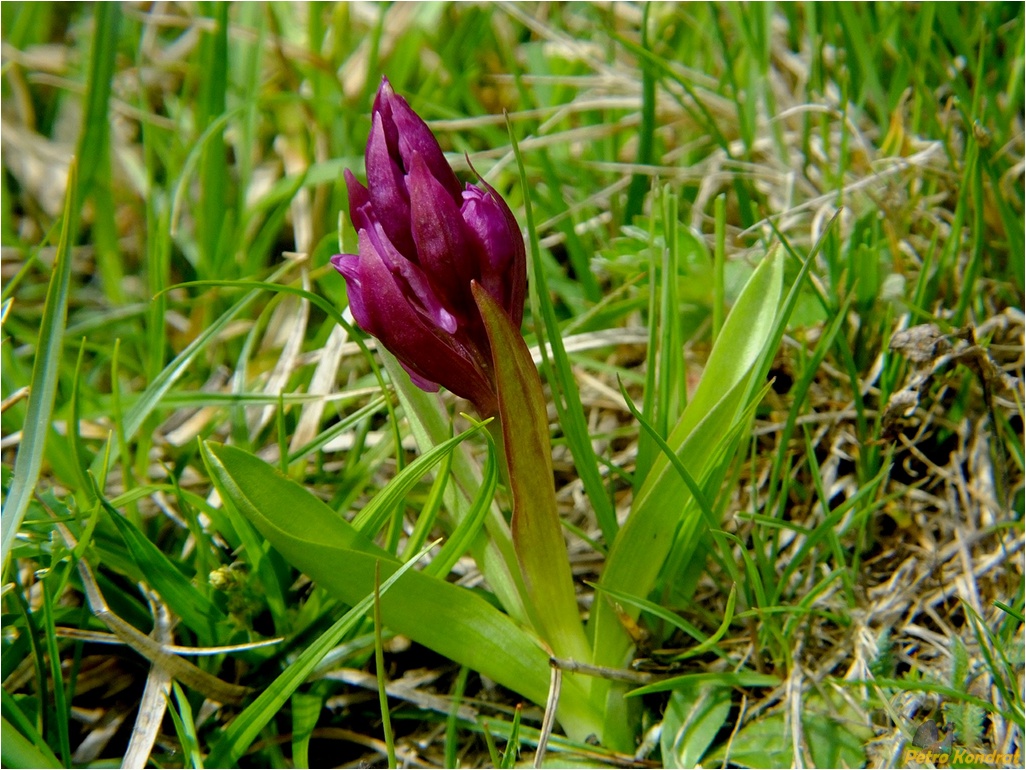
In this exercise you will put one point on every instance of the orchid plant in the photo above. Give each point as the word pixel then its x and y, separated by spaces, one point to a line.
pixel 440 279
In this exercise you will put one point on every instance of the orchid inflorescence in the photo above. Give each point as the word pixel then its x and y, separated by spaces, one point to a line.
pixel 424 239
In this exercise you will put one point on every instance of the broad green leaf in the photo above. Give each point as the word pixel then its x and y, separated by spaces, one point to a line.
pixel 537 534
pixel 835 740
pixel 43 389
pixel 833 731
pixel 718 405
pixel 448 619
pixel 740 345
pixel 691 721
pixel 20 730
pixel 265 565
pixel 639 551
pixel 17 751
pixel 763 743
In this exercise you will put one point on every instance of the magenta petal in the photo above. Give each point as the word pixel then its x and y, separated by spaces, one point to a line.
pixel 358 195
pixel 383 105
pixel 488 223
pixel 361 210
pixel 496 249
pixel 384 173
pixel 419 288
pixel 428 355
pixel 349 266
pixel 406 134
pixel 444 248
pixel 415 138
pixel 386 186
pixel 423 242
pixel 425 385
pixel 516 274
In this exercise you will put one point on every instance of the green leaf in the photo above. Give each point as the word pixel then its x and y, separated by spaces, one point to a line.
pixel 663 614
pixel 740 345
pixel 93 142
pixel 150 398
pixel 764 743
pixel 636 558
pixel 712 678
pixel 691 721
pixel 306 709
pixel 836 736
pixel 450 620
pixel 537 534
pixel 45 371
pixel 492 549
pixel 18 751
pixel 18 728
pixel 214 203
pixel 509 756
pixel 185 726
pixel 93 151
pixel 429 512
pixel 461 538
pixel 835 740
pixel 639 551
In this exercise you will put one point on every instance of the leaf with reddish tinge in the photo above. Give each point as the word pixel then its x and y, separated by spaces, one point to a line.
pixel 537 534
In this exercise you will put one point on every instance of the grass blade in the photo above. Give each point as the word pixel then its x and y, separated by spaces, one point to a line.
pixel 376 512
pixel 467 530
pixel 646 133
pixel 149 399
pixel 45 371
pixel 430 426
pixel 94 141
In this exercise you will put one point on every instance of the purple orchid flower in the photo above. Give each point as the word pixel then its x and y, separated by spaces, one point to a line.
pixel 423 241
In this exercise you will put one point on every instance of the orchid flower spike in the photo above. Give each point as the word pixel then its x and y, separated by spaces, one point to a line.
pixel 424 239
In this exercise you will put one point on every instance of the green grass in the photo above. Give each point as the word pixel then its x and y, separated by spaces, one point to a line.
pixel 843 572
